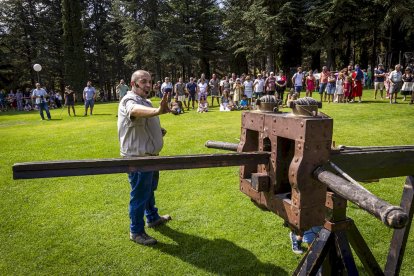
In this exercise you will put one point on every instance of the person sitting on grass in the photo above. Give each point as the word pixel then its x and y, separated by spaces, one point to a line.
pixel 176 107
pixel 202 105
pixel 244 103
pixel 292 96
pixel 27 107
pixel 224 105
pixel 231 105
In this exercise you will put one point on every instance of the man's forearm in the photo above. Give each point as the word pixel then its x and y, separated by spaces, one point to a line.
pixel 141 111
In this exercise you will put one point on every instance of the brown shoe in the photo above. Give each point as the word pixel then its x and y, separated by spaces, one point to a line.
pixel 142 238
pixel 160 221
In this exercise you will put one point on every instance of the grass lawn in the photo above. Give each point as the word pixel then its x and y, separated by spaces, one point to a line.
pixel 80 225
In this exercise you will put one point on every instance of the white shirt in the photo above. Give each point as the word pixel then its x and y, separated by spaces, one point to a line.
pixel 258 85
pixel 396 76
pixel 38 93
pixel 298 77
pixel 203 87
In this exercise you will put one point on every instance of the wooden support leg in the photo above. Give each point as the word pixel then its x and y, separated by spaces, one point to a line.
pixel 343 248
pixel 313 259
pixel 362 250
pixel 400 236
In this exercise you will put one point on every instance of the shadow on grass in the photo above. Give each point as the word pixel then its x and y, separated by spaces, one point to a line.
pixel 217 256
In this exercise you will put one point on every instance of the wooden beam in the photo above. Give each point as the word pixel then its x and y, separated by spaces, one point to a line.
pixel 367 163
pixel 391 216
pixel 123 165
pixel 400 236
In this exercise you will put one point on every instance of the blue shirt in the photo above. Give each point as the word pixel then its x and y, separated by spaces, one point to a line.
pixel 88 93
pixel 379 72
pixel 192 87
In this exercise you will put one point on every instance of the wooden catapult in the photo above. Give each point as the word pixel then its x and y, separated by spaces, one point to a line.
pixel 288 166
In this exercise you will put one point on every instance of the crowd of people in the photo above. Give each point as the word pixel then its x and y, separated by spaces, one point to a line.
pixel 41 100
pixel 233 92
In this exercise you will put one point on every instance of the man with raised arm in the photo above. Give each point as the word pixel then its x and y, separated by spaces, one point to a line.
pixel 140 134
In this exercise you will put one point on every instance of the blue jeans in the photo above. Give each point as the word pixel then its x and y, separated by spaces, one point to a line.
pixel 322 87
pixel 43 106
pixel 142 199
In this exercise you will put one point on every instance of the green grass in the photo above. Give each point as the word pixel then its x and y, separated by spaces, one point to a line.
pixel 80 225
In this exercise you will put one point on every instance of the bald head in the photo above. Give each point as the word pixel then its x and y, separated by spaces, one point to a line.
pixel 141 83
pixel 138 74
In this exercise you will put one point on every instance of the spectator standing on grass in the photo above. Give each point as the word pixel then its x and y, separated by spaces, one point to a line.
pixel 70 99
pixel 40 95
pixel 237 92
pixel 191 88
pixel 331 86
pixel 157 89
pixel 27 96
pixel 225 85
pixel 19 100
pixel 358 79
pixel 323 82
pixel 122 89
pixel 407 87
pixel 270 84
pixel 140 134
pixel 214 84
pixel 379 79
pixel 258 87
pixel 58 99
pixel 167 88
pixel 339 89
pixel 179 89
pixel 297 80
pixel 281 82
pixel 89 96
pixel 232 81
pixel 12 100
pixel 202 88
pixel 310 84
pixel 395 83
pixel 387 83
pixel 248 89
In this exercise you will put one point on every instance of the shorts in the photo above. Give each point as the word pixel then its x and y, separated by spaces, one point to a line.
pixel 395 87
pixel 89 103
pixel 192 97
pixel 181 98
pixel 298 88
pixel 330 89
pixel 379 85
pixel 258 95
pixel 322 87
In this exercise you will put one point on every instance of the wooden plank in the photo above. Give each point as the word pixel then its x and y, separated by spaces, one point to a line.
pixel 124 165
pixel 400 236
pixel 374 163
